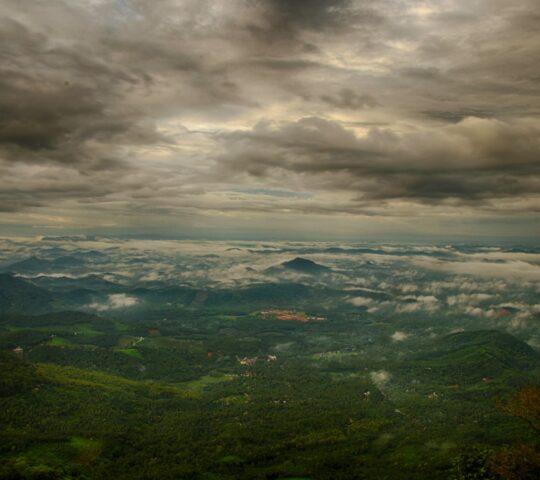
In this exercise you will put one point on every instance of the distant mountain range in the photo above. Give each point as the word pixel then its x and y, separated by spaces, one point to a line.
pixel 37 265
pixel 18 296
pixel 91 281
pixel 44 294
pixel 75 260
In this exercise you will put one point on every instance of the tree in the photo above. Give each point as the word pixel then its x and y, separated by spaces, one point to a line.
pixel 518 462
pixel 473 465
pixel 525 405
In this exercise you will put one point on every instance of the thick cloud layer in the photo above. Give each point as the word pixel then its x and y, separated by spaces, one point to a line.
pixel 182 115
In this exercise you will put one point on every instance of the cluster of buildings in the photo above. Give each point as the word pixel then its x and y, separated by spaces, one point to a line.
pixel 289 316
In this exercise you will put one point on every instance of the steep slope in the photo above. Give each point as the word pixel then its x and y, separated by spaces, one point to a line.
pixel 299 265
pixel 19 296
pixel 480 355
pixel 31 264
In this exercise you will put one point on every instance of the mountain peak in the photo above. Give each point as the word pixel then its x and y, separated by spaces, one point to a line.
pixel 304 265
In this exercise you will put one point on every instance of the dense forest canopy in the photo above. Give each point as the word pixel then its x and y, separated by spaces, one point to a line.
pixel 219 360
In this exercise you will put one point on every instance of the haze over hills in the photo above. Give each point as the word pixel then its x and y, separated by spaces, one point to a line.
pixel 16 295
pixel 305 359
pixel 36 265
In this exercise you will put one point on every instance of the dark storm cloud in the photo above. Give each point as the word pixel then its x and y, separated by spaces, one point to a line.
pixel 74 100
pixel 458 114
pixel 16 199
pixel 312 15
pixel 279 20
pixel 284 20
pixel 165 105
pixel 60 103
pixel 475 160
pixel 349 99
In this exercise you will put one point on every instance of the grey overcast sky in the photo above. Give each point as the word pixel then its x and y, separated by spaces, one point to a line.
pixel 313 119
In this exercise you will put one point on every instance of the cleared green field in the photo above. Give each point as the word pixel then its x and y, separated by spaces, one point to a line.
pixel 76 377
pixel 132 352
pixel 59 342
pixel 200 384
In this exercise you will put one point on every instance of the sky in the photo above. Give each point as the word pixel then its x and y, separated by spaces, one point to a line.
pixel 319 119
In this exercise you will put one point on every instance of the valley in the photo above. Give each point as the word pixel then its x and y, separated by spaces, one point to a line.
pixel 285 375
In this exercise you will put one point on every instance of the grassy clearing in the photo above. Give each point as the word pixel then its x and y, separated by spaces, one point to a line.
pixel 87 450
pixel 132 352
pixel 201 383
pixel 59 342
pixel 76 377
pixel 121 326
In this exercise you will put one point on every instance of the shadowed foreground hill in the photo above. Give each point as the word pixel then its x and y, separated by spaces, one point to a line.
pixel 482 354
